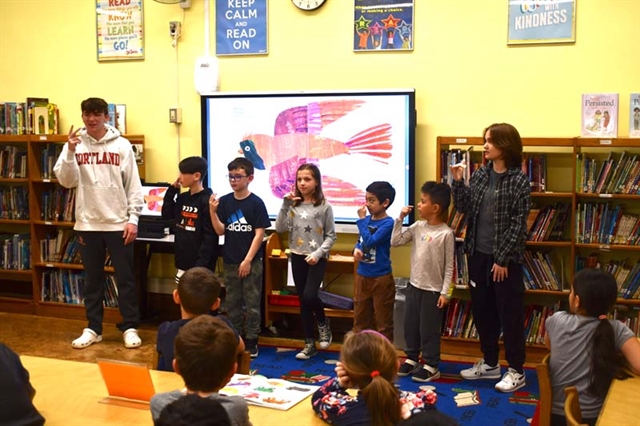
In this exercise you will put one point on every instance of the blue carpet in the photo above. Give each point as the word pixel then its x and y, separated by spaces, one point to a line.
pixel 495 408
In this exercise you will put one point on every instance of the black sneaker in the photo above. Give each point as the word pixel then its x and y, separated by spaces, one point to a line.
pixel 425 375
pixel 251 345
pixel 308 351
pixel 408 367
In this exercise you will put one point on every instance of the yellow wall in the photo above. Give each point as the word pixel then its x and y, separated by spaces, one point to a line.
pixel 464 74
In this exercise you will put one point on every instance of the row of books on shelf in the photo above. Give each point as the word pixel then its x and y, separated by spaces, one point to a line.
pixel 612 176
pixel 13 162
pixel 36 116
pixel 59 204
pixel 14 202
pixel 460 267
pixel 64 247
pixel 628 315
pixel 548 223
pixel 539 272
pixel 535 167
pixel 454 156
pixel 603 223
pixel 627 277
pixel 65 286
pixel 49 156
pixel 15 252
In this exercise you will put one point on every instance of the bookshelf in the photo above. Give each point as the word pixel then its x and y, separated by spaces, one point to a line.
pixel 32 209
pixel 560 176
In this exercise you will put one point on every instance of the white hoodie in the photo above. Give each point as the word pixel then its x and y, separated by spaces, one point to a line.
pixel 109 192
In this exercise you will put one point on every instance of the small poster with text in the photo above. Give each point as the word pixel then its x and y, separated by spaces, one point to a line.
pixel 241 27
pixel 383 25
pixel 119 30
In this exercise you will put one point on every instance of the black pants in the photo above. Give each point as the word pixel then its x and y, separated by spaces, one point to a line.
pixel 497 305
pixel 422 325
pixel 307 279
pixel 92 250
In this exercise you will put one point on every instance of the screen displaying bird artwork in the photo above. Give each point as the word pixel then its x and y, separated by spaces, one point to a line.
pixel 354 137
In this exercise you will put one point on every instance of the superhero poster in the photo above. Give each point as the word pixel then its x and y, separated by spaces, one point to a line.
pixel 383 25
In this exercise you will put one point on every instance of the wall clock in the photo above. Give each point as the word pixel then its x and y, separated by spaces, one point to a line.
pixel 308 5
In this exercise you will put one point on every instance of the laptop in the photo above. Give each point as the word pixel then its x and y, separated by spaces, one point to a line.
pixel 128 384
pixel 151 224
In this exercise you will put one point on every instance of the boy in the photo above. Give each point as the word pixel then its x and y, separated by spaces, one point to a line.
pixel 374 286
pixel 206 360
pixel 192 410
pixel 100 164
pixel 431 274
pixel 196 243
pixel 197 294
pixel 242 218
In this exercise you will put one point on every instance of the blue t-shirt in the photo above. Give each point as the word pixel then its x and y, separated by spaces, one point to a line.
pixel 375 243
pixel 241 218
pixel 167 333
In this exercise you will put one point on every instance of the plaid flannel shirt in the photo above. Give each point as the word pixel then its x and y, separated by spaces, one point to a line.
pixel 512 203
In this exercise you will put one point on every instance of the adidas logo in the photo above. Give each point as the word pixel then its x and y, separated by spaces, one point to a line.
pixel 237 223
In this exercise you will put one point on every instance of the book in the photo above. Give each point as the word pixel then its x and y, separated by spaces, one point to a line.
pixel 271 393
pixel 634 115
pixel 599 115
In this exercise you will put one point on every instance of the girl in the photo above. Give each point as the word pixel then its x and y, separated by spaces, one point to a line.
pixel 496 204
pixel 587 349
pixel 309 219
pixel 368 362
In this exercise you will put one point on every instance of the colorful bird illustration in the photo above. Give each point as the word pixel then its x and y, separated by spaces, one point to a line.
pixel 298 138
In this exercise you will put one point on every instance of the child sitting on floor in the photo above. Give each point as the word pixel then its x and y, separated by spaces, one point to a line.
pixel 206 360
pixel 197 293
pixel 588 350
pixel 369 363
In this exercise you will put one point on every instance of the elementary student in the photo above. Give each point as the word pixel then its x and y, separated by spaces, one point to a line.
pixel 368 362
pixel 588 350
pixel 431 273
pixel 196 243
pixel 206 361
pixel 242 218
pixel 197 294
pixel 308 217
pixel 374 286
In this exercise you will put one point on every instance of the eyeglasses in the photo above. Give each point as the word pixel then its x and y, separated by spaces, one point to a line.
pixel 235 177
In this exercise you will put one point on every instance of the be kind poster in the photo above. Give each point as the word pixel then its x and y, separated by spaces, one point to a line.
pixel 383 25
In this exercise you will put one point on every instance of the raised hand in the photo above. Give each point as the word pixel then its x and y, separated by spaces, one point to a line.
pixel 73 139
pixel 213 204
pixel 176 184
pixel 457 170
pixel 362 211
pixel 405 211
pixel 291 195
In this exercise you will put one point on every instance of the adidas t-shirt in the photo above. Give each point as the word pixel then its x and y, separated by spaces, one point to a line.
pixel 241 218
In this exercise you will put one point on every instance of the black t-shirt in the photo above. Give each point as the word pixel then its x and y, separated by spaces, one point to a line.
pixel 241 218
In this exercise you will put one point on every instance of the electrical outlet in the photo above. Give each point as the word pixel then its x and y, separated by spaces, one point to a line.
pixel 175 29
pixel 175 115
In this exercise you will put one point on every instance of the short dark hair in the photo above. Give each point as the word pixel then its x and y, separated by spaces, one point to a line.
pixel 198 289
pixel 95 105
pixel 507 138
pixel 192 165
pixel 439 193
pixel 431 417
pixel 242 164
pixel 205 353
pixel 382 190
pixel 193 410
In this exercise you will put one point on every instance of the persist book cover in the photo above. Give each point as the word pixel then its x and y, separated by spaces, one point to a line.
pixel 599 115
pixel 634 115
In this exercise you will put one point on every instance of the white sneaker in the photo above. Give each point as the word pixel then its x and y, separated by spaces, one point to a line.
pixel 88 338
pixel 511 381
pixel 131 338
pixel 325 335
pixel 481 370
pixel 308 351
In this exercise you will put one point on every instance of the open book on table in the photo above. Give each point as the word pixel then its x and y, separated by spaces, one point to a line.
pixel 272 393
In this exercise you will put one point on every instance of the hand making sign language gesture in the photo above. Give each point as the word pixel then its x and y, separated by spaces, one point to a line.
pixel 73 139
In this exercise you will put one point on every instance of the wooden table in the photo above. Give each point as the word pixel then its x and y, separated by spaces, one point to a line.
pixel 622 405
pixel 68 393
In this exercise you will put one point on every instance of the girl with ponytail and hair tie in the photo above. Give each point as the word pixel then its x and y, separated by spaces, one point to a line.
pixel 588 350
pixel 368 363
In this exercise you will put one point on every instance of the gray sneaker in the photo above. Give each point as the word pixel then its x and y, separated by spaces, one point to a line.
pixel 325 334
pixel 308 351
pixel 481 370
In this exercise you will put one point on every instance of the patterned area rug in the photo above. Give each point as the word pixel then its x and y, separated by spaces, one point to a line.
pixel 470 402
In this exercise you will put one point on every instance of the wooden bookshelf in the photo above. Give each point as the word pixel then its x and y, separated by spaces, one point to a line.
pixel 562 179
pixel 20 289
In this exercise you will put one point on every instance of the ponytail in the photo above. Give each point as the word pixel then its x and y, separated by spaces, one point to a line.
pixel 381 397
pixel 606 362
